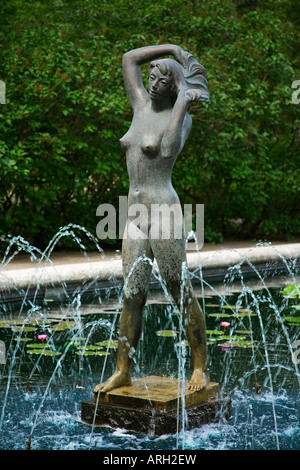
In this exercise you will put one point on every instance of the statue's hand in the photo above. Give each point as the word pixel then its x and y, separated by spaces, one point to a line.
pixel 178 54
pixel 196 95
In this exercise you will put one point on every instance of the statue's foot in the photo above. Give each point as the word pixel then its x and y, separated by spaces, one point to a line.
pixel 118 379
pixel 199 380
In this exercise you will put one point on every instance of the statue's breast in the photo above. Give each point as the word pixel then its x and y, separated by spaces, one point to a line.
pixel 126 141
pixel 148 144
pixel 146 132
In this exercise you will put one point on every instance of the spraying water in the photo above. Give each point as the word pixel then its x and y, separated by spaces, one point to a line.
pixel 265 356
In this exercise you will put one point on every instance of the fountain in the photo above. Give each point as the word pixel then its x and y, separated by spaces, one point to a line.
pixel 232 336
pixel 157 134
pixel 44 381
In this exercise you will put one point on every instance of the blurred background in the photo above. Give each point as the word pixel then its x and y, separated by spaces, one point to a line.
pixel 66 109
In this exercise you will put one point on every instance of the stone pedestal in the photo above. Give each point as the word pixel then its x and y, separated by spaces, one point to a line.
pixel 153 405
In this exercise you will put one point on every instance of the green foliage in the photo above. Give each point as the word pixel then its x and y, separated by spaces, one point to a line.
pixel 292 291
pixel 66 110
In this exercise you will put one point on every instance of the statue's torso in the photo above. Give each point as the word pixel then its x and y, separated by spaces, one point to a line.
pixel 149 172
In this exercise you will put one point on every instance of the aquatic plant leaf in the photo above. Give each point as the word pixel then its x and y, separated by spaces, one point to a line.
pixel 167 333
pixel 107 343
pixel 214 332
pixel 232 315
pixel 245 332
pixel 65 325
pixel 23 328
pixel 233 338
pixel 89 347
pixel 45 352
pixel 246 313
pixel 237 309
pixel 292 291
pixel 293 320
pixel 236 344
pixel 92 353
pixel 38 345
pixel 221 315
pixel 22 339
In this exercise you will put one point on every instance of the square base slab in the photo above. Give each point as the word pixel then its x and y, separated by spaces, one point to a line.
pixel 150 405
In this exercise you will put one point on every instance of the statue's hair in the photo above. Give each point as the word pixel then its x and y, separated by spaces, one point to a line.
pixel 195 75
pixel 190 75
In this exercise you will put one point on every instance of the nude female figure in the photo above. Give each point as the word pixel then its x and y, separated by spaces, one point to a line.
pixel 159 129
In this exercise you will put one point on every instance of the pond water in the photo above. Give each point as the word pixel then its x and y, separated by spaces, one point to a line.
pixel 44 381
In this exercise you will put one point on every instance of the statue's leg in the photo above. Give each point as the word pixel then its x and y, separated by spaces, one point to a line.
pixel 171 259
pixel 137 271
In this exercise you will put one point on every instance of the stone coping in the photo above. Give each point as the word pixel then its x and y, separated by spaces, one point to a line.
pixel 24 274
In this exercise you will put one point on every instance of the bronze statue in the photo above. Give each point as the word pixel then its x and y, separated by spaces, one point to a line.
pixel 158 131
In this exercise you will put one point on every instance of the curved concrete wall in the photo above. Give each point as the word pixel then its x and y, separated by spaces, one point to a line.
pixel 108 269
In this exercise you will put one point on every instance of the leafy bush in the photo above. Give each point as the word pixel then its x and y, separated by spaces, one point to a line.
pixel 66 110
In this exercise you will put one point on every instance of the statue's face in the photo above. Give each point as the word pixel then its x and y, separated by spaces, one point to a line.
pixel 159 85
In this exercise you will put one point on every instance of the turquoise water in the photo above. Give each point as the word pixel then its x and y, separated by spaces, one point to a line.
pixel 50 411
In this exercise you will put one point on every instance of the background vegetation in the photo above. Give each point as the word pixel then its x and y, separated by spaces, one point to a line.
pixel 66 110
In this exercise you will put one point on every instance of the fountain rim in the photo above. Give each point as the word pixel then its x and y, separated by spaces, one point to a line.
pixel 214 265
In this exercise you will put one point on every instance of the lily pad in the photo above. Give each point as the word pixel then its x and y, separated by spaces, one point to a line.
pixel 221 315
pixel 111 344
pixel 38 345
pixel 75 343
pixel 235 339
pixel 237 309
pixel 233 315
pixel 185 342
pixel 292 291
pixel 89 347
pixel 244 332
pixel 214 332
pixel 244 313
pixel 23 339
pixel 236 344
pixel 23 328
pixel 293 320
pixel 65 325
pixel 92 353
pixel 167 333
pixel 44 352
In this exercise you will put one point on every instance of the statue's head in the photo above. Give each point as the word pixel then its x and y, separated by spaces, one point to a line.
pixel 164 78
pixel 167 76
